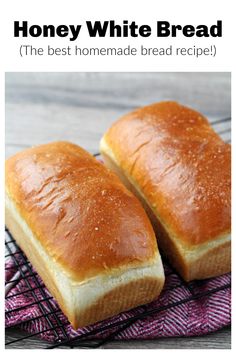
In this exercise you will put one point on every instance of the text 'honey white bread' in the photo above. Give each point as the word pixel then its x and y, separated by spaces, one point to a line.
pixel 180 169
pixel 86 235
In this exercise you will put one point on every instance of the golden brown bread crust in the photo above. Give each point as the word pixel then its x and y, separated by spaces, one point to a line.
pixel 181 166
pixel 204 260
pixel 83 216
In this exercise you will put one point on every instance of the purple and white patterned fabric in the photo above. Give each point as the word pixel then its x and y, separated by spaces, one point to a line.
pixel 192 318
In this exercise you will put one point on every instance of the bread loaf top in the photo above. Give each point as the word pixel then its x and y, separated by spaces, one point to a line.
pixel 79 211
pixel 180 165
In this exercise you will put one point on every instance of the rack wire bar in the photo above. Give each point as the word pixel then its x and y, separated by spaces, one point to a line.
pixel 34 318
pixel 25 291
pixel 24 272
pixel 219 121
pixel 21 277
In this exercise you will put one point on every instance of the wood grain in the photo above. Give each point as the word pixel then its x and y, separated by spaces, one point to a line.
pixel 79 107
pixel 217 340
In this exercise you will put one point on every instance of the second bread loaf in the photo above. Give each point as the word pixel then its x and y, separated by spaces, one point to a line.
pixel 172 159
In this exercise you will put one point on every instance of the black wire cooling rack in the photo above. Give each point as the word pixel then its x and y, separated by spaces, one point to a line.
pixel 23 271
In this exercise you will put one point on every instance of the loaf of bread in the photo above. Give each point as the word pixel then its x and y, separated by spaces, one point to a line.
pixel 87 236
pixel 180 169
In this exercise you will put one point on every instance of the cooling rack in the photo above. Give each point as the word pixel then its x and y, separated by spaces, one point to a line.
pixel 51 314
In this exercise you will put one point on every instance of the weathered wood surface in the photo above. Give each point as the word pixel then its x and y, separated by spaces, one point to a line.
pixel 217 340
pixel 79 107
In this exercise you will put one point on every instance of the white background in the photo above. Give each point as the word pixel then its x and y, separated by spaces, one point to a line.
pixel 143 12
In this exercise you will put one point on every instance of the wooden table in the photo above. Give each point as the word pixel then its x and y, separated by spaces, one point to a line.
pixel 79 107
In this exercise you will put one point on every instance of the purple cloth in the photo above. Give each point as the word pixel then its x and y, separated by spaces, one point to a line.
pixel 196 317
